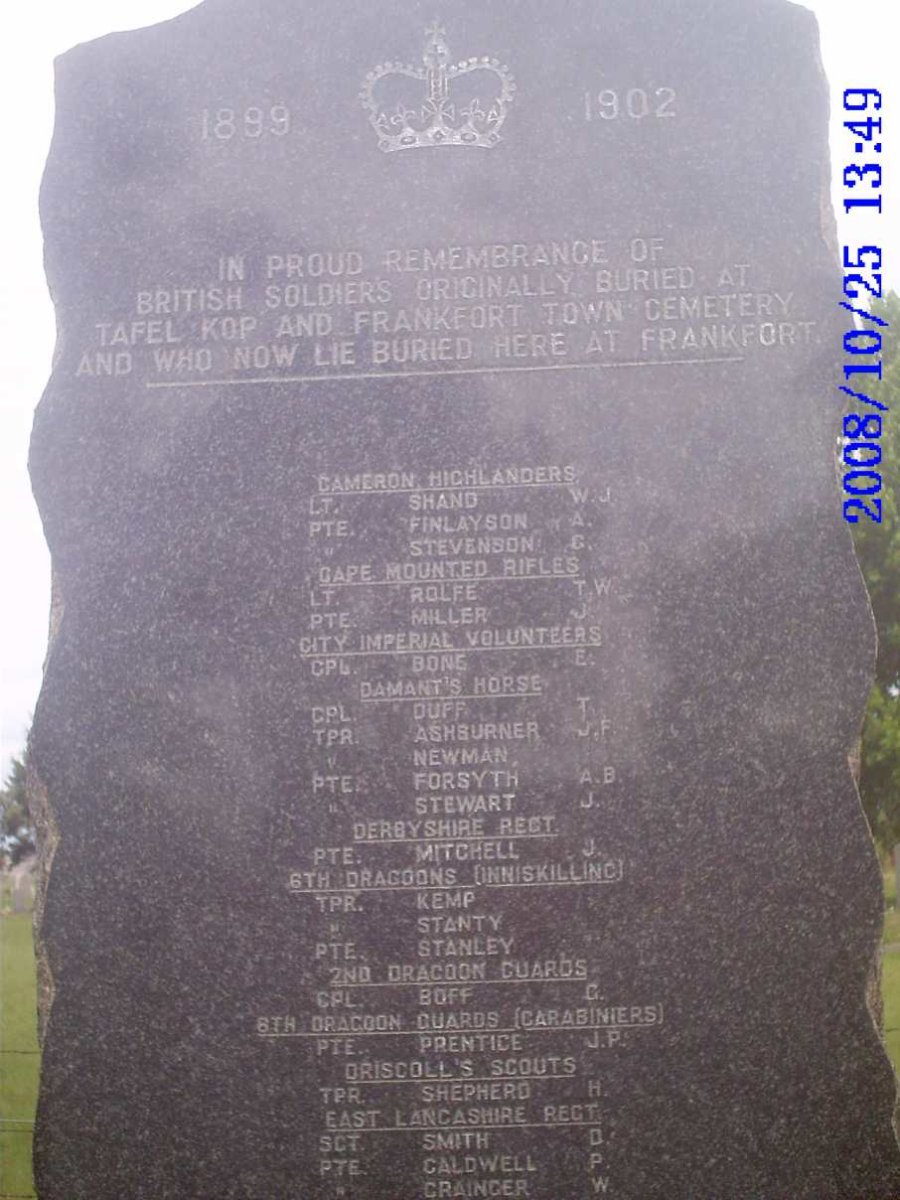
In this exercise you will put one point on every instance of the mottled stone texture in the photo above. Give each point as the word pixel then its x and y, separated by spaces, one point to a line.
pixel 443 441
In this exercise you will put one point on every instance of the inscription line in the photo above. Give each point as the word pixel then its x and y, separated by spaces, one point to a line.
pixel 372 375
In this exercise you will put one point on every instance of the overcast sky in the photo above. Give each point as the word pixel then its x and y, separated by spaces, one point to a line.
pixel 860 48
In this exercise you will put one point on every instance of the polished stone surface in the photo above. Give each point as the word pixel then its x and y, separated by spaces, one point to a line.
pixel 459 646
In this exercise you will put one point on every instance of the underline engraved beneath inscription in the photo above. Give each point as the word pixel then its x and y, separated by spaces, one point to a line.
pixel 477 1128
pixel 469 984
pixel 455 487
pixel 455 1079
pixel 449 650
pixel 512 837
pixel 553 883
pixel 274 1037
pixel 418 699
pixel 371 375
pixel 477 579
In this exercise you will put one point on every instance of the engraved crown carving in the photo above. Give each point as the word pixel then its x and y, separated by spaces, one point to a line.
pixel 465 103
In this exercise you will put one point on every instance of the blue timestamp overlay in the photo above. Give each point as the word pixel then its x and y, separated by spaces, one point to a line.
pixel 863 427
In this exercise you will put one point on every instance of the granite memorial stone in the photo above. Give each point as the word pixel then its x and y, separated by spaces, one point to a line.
pixel 458 647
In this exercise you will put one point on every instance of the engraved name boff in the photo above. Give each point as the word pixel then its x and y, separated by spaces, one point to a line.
pixel 444 744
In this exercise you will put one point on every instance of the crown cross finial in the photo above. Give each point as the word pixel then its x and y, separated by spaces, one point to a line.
pixel 435 120
pixel 436 57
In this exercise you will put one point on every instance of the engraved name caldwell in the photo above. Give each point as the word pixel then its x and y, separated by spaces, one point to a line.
pixel 444 748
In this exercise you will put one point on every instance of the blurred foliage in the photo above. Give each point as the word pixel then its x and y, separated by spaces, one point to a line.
pixel 16 831
pixel 878 548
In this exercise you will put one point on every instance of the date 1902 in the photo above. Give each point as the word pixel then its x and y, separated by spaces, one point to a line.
pixel 863 428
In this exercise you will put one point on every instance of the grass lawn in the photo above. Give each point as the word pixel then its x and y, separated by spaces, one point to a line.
pixel 19 1060
pixel 890 989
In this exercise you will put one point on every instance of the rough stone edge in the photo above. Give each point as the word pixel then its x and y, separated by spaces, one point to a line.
pixel 47 842
pixel 829 233
pixel 40 807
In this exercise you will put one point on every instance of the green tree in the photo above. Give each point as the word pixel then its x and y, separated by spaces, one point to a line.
pixel 16 832
pixel 878 548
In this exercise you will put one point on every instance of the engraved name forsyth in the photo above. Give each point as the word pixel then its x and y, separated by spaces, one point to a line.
pixel 444 744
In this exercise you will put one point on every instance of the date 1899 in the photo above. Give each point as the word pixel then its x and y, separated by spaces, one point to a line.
pixel 253 122
pixel 863 427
